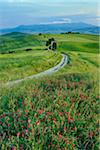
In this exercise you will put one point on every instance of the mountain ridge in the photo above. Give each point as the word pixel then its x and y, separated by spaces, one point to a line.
pixel 54 28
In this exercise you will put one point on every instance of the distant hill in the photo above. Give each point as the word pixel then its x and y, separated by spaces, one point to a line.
pixel 54 28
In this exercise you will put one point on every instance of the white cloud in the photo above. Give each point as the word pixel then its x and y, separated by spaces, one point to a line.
pixel 67 20
pixel 59 22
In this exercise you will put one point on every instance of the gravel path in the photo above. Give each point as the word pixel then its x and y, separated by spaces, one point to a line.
pixel 63 62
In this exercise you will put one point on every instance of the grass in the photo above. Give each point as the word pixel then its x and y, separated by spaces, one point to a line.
pixel 79 46
pixel 81 62
pixel 23 64
pixel 58 112
pixel 15 41
pixel 75 42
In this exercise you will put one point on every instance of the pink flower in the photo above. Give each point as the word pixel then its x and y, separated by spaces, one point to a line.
pixel 8 125
pixel 29 120
pixel 26 131
pixel 18 134
pixel 60 136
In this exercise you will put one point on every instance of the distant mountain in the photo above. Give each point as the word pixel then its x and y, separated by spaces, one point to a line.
pixel 54 28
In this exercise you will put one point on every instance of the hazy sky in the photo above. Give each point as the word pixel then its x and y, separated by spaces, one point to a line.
pixel 23 12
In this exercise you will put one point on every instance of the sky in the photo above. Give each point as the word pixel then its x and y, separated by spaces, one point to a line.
pixel 26 12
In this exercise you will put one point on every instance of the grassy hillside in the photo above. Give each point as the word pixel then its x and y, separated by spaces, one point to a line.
pixel 23 64
pixel 57 112
pixel 15 41
pixel 78 42
pixel 71 42
pixel 81 62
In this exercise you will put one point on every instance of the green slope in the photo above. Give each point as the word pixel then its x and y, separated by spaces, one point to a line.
pixel 76 42
pixel 15 41
pixel 23 64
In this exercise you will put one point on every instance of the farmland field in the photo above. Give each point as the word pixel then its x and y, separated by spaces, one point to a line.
pixel 56 112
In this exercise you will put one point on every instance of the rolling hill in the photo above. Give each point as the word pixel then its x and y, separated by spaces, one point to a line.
pixel 73 42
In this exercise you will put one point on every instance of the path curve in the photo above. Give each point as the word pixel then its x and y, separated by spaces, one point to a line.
pixel 63 62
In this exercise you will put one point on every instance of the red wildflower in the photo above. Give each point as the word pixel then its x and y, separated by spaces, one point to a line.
pixel 82 96
pixel 73 100
pixel 90 134
pixel 53 119
pixel 40 111
pixel 31 105
pixel 18 110
pixel 21 147
pixel 23 103
pixel 52 113
pixel 66 141
pixel 60 113
pixel 47 113
pixel 18 134
pixel 68 118
pixel 74 128
pixel 3 115
pixel 65 129
pixel 68 85
pixel 8 125
pixel 28 125
pixel 60 136
pixel 14 148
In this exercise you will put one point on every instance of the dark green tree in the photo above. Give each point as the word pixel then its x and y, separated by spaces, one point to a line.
pixel 51 44
pixel 54 45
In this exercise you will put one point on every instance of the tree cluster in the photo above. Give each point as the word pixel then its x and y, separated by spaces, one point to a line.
pixel 51 44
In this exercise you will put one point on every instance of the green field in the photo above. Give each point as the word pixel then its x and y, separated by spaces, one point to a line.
pixel 19 65
pixel 56 112
pixel 71 42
